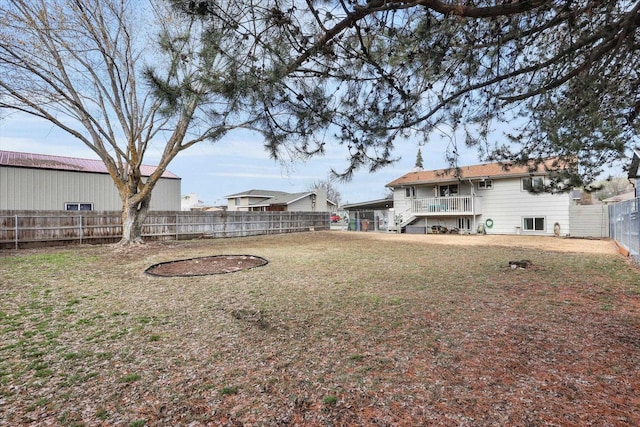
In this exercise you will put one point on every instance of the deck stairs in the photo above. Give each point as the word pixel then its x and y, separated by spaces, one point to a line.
pixel 399 227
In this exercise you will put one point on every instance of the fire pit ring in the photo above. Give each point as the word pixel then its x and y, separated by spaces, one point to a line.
pixel 205 266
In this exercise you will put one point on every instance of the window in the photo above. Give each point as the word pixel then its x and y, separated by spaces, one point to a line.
pixel 78 206
pixel 487 184
pixel 533 184
pixel 533 224
pixel 449 190
pixel 236 201
pixel 410 192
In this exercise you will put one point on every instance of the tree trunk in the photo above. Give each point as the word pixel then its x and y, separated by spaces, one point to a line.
pixel 133 216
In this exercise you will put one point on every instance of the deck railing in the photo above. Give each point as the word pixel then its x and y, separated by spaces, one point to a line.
pixel 456 205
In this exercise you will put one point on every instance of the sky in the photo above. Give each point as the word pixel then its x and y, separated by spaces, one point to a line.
pixel 239 162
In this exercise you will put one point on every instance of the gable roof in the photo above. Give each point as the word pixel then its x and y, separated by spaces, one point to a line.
pixel 256 193
pixel 269 197
pixel 74 164
pixel 481 171
pixel 283 199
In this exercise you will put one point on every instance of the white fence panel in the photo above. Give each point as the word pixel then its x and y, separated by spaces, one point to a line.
pixel 589 221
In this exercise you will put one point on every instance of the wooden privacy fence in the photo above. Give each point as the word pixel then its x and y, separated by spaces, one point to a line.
pixel 22 229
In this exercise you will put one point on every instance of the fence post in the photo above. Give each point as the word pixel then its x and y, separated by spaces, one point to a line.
pixel 80 228
pixel 176 227
pixel 16 230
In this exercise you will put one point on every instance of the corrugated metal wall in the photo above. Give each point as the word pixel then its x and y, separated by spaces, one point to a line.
pixel 42 189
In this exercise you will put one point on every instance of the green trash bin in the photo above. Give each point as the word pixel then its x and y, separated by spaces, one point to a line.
pixel 354 225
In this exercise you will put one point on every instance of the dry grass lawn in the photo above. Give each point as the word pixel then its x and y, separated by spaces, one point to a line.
pixel 338 329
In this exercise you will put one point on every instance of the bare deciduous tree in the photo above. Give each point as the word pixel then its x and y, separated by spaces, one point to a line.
pixel 95 68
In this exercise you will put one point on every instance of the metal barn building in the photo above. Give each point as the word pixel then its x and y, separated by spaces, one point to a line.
pixel 44 182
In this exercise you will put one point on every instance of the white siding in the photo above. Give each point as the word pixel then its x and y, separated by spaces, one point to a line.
pixel 42 189
pixel 302 205
pixel 306 204
pixel 401 204
pixel 507 204
pixel 231 204
pixel 242 203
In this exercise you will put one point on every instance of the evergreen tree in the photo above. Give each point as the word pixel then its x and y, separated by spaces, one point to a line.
pixel 419 159
pixel 369 73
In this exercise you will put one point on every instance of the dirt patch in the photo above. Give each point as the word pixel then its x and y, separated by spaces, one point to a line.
pixel 558 244
pixel 204 266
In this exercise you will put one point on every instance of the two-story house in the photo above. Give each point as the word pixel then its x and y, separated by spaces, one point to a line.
pixel 268 200
pixel 491 198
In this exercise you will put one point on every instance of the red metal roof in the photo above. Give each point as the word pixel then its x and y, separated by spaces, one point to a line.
pixel 45 161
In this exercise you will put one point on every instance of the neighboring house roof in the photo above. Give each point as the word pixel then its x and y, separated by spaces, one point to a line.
pixel 486 171
pixel 269 197
pixel 45 161
pixel 255 193
pixel 283 199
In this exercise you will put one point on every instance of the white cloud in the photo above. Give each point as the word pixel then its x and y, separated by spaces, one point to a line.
pixel 261 175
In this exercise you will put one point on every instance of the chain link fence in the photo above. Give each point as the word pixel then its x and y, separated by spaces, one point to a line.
pixel 368 220
pixel 624 225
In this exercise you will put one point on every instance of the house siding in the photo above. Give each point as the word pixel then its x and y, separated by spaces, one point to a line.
pixel 507 204
pixel 44 189
pixel 278 200
pixel 243 203
pixel 306 204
